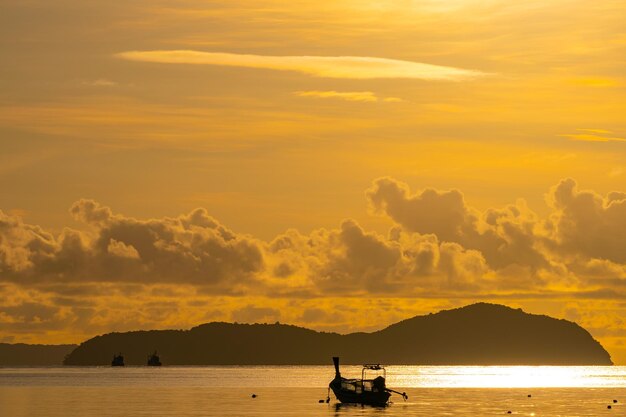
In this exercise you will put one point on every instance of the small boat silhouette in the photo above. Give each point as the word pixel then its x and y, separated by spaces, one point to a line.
pixel 362 390
pixel 154 360
pixel 118 360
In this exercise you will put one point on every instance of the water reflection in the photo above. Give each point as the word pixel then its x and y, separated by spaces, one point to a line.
pixel 319 376
pixel 508 376
pixel 295 392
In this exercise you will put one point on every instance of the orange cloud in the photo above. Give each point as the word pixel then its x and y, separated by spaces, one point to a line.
pixel 440 244
pixel 504 236
pixel 351 67
pixel 191 248
pixel 587 223
pixel 365 96
pixel 594 135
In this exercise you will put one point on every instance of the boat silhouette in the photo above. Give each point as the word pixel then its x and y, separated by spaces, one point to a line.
pixel 154 360
pixel 364 390
pixel 118 360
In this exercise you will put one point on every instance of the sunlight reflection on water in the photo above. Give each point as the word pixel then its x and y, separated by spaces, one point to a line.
pixel 319 376
pixel 508 376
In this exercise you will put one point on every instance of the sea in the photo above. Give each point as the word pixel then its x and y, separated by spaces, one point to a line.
pixel 301 391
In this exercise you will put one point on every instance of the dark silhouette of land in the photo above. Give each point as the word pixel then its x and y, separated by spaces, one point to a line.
pixel 21 354
pixel 478 334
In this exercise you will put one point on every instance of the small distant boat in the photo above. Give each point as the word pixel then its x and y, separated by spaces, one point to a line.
pixel 364 390
pixel 154 360
pixel 118 360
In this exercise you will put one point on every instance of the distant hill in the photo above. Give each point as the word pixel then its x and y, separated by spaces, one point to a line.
pixel 21 354
pixel 478 334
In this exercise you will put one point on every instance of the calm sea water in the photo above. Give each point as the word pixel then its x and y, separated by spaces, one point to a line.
pixel 296 391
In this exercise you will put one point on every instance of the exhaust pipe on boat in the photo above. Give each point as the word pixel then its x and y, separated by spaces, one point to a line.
pixel 336 362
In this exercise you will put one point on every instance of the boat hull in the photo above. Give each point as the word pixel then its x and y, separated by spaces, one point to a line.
pixel 379 399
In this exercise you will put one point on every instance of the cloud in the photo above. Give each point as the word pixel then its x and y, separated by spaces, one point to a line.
pixel 350 67
pixel 364 96
pixel 123 250
pixel 599 131
pixel 100 82
pixel 504 236
pixel 28 312
pixel 192 248
pixel 587 223
pixel 594 135
pixel 253 314
pixel 439 244
pixel 579 245
pixel 22 246
pixel 351 261
pixel 311 315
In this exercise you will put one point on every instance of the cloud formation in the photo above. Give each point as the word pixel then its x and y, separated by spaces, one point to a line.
pixel 578 246
pixel 437 238
pixel 587 223
pixel 192 249
pixel 351 261
pixel 350 67
pixel 504 236
pixel 438 244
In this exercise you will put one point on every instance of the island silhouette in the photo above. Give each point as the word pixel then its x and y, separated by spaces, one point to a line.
pixel 21 354
pixel 477 334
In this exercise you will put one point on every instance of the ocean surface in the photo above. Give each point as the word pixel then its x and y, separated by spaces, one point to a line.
pixel 296 390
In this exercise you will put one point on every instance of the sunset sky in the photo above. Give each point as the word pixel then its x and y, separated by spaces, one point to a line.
pixel 339 165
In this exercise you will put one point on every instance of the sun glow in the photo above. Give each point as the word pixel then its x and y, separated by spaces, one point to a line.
pixel 508 376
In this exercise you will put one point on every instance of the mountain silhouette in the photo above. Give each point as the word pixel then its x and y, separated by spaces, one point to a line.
pixel 21 354
pixel 478 334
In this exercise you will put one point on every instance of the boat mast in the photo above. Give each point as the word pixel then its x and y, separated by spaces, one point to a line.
pixel 336 362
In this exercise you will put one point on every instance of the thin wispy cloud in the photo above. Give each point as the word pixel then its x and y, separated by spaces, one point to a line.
pixel 351 67
pixel 593 135
pixel 596 131
pixel 362 96
pixel 100 82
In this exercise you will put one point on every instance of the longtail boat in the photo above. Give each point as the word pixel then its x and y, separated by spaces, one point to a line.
pixel 364 390
pixel 118 360
pixel 154 360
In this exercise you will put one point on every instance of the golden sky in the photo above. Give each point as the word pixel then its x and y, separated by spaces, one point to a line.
pixel 339 165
